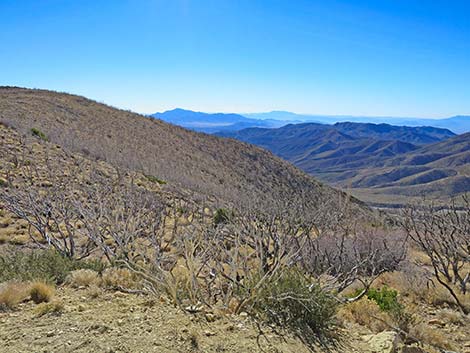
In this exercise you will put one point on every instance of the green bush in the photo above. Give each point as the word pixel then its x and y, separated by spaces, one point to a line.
pixel 290 300
pixel 154 179
pixel 45 265
pixel 222 216
pixel 387 300
pixel 39 133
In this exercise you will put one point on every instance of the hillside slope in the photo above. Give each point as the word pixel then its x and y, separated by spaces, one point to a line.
pixel 226 171
pixel 439 171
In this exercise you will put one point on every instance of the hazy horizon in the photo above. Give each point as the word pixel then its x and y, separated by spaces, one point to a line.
pixel 305 114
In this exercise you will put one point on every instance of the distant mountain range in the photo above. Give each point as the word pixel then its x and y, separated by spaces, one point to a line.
pixel 457 124
pixel 211 123
pixel 379 163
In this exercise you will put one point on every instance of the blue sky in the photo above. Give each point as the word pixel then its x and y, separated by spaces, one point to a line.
pixel 364 57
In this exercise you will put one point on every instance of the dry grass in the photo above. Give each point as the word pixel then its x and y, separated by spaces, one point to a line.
pixel 452 317
pixel 41 292
pixel 54 307
pixel 410 284
pixel 118 278
pixel 94 292
pixel 430 335
pixel 13 293
pixel 83 278
pixel 367 313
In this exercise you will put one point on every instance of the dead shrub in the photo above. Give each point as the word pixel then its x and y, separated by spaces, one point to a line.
pixel 452 317
pixel 116 278
pixel 429 335
pixel 83 278
pixel 439 296
pixel 41 292
pixel 365 312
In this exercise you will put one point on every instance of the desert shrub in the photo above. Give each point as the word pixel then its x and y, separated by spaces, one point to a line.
pixel 94 291
pixel 38 133
pixel 11 294
pixel 367 313
pixel 45 265
pixel 221 216
pixel 54 307
pixel 83 278
pixel 386 298
pixel 116 278
pixel 41 292
pixel 290 300
pixel 154 179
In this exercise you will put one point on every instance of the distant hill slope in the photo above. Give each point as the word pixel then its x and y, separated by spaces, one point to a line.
pixel 389 159
pixel 211 123
pixel 417 135
pixel 225 171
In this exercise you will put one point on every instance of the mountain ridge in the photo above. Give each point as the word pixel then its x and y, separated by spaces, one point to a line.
pixel 458 124
pixel 379 158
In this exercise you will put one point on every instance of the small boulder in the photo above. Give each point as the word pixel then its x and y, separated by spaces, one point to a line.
pixel 436 322
pixel 383 342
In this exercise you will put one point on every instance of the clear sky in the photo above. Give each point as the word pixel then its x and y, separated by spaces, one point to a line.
pixel 364 57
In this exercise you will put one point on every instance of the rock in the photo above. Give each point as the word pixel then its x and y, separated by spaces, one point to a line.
pixel 436 322
pixel 3 182
pixel 209 333
pixel 383 342
pixel 210 317
pixel 193 309
pixel 412 349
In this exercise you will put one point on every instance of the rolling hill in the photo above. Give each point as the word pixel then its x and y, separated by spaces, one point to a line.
pixel 226 172
pixel 391 163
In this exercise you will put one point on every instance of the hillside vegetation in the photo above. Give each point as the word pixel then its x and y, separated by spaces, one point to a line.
pixel 214 168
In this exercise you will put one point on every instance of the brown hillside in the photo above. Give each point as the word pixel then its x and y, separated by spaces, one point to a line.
pixel 225 170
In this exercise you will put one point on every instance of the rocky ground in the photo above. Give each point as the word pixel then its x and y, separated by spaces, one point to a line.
pixel 121 322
